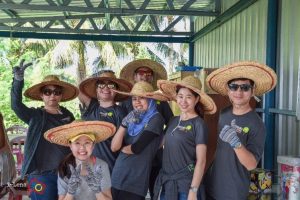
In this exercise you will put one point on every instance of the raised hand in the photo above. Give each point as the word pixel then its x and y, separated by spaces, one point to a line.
pixel 74 180
pixel 228 134
pixel 18 71
pixel 93 179
pixel 132 117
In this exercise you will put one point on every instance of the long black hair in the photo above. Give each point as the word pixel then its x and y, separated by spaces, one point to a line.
pixel 63 168
pixel 198 107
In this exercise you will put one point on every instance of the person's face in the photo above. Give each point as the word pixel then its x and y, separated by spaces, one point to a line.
pixel 143 74
pixel 240 96
pixel 82 148
pixel 105 92
pixel 186 100
pixel 51 95
pixel 140 103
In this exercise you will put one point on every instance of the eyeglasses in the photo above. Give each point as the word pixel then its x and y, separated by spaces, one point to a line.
pixel 243 87
pixel 49 92
pixel 108 85
pixel 144 73
pixel 85 145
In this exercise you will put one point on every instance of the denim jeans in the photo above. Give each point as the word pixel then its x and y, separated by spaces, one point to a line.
pixel 42 186
pixel 181 196
pixel 184 196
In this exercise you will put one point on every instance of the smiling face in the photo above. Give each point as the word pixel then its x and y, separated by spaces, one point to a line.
pixel 140 103
pixel 51 95
pixel 240 96
pixel 82 148
pixel 105 92
pixel 186 100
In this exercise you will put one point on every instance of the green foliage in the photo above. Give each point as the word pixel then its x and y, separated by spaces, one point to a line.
pixel 11 53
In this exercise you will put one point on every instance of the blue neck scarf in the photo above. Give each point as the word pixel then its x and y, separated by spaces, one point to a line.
pixel 136 128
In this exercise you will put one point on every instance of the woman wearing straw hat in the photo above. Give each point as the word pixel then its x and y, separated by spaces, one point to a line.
pixel 242 132
pixel 138 138
pixel 186 137
pixel 98 97
pixel 149 71
pixel 7 164
pixel 81 175
pixel 41 157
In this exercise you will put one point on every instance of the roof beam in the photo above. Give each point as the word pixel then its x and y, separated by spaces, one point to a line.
pixel 40 19
pixel 112 38
pixel 105 10
pixel 67 29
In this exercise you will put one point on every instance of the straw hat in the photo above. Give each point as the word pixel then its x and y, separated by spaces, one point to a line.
pixel 144 89
pixel 264 77
pixel 193 83
pixel 69 91
pixel 62 134
pixel 88 86
pixel 159 72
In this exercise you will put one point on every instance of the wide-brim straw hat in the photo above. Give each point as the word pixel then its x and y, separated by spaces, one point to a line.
pixel 192 83
pixel 62 134
pixel 88 86
pixel 145 89
pixel 159 72
pixel 264 77
pixel 69 91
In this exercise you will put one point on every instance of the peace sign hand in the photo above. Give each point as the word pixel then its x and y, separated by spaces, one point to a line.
pixel 18 71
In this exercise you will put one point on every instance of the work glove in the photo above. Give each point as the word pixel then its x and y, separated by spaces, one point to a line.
pixel 74 180
pixel 94 178
pixel 228 134
pixel 237 128
pixel 133 117
pixel 18 71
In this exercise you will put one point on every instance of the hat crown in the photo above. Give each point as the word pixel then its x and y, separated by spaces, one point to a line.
pixel 50 78
pixel 142 87
pixel 108 74
pixel 192 81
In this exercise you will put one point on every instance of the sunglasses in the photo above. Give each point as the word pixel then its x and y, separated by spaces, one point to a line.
pixel 55 92
pixel 243 87
pixel 108 85
pixel 144 73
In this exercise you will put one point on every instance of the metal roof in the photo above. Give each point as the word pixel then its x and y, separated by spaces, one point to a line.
pixel 79 19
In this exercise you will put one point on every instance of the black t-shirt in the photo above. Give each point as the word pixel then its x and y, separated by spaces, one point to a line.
pixel 180 146
pixel 131 171
pixel 114 115
pixel 48 155
pixel 228 179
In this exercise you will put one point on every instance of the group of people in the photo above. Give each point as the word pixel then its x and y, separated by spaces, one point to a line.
pixel 128 142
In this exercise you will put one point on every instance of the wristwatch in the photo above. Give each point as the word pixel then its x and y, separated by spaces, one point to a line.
pixel 194 189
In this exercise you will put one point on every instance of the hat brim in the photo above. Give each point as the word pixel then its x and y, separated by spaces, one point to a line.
pixel 264 77
pixel 69 91
pixel 88 87
pixel 159 72
pixel 152 95
pixel 62 134
pixel 169 88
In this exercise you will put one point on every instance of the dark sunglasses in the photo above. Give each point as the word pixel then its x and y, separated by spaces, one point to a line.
pixel 144 73
pixel 48 92
pixel 243 87
pixel 108 85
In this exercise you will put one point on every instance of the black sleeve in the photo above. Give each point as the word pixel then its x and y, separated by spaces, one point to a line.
pixel 143 141
pixel 165 111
